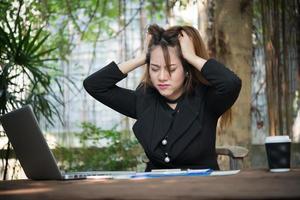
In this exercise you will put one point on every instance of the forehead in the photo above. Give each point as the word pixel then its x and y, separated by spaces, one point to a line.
pixel 157 55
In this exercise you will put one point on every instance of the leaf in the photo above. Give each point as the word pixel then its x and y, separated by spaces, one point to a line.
pixel 43 53
pixel 29 45
pixel 34 49
pixel 11 35
pixel 6 38
pixel 24 42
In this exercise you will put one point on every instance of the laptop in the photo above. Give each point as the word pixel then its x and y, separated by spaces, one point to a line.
pixel 33 152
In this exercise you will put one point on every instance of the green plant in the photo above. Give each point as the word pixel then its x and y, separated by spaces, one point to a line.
pixel 100 150
pixel 25 77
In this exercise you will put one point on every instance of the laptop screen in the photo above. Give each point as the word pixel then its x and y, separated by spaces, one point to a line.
pixel 30 146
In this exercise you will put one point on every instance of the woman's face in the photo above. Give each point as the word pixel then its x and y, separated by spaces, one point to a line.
pixel 168 85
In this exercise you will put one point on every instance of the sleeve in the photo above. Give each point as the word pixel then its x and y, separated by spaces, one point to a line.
pixel 102 86
pixel 224 86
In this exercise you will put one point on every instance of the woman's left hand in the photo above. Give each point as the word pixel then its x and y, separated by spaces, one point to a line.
pixel 187 46
pixel 188 51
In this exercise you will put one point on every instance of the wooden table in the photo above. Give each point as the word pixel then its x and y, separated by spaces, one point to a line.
pixel 248 184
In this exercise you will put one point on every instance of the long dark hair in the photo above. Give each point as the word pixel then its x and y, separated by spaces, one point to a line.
pixel 169 38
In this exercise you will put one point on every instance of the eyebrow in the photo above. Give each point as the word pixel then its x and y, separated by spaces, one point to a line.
pixel 156 65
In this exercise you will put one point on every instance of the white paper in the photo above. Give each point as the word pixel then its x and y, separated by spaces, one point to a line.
pixel 224 173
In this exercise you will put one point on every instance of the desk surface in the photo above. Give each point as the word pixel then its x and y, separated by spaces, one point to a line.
pixel 248 184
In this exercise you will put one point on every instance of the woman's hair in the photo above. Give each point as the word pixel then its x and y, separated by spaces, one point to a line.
pixel 169 38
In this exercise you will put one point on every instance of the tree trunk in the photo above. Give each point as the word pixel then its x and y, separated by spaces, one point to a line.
pixel 229 33
pixel 279 25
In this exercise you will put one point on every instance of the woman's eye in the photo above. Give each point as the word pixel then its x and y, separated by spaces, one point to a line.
pixel 153 69
pixel 173 70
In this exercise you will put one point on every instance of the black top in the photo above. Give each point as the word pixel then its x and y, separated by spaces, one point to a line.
pixel 190 129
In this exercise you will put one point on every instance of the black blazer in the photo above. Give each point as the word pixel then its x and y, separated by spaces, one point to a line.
pixel 192 142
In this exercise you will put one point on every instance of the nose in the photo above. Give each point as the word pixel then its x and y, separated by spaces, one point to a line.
pixel 163 75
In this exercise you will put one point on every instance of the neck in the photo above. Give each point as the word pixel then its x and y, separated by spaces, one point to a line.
pixel 172 101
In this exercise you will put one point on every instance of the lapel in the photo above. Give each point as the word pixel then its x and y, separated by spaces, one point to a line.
pixel 189 110
pixel 161 125
pixel 184 125
pixel 143 127
pixel 154 122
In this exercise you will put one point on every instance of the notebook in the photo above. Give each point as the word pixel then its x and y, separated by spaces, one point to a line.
pixel 33 152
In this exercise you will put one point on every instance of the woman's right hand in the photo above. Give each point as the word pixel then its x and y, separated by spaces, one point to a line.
pixel 147 40
pixel 138 61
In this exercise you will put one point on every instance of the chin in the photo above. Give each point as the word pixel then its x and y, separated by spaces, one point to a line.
pixel 165 94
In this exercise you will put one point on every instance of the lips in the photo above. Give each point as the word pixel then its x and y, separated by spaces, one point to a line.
pixel 163 86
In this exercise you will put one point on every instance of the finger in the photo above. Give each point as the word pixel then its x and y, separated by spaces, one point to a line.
pixel 147 40
pixel 184 34
pixel 146 29
pixel 148 37
pixel 180 36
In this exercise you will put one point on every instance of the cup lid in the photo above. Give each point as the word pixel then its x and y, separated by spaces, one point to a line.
pixel 277 139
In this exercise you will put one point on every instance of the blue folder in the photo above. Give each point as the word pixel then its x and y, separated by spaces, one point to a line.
pixel 159 174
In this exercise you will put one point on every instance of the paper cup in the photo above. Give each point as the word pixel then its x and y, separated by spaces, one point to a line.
pixel 278 150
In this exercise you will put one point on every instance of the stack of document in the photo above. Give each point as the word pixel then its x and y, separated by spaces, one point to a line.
pixel 166 173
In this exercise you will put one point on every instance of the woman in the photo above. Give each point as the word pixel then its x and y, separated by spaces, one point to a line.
pixel 178 102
